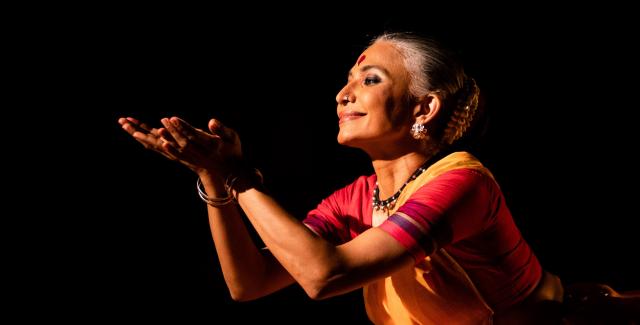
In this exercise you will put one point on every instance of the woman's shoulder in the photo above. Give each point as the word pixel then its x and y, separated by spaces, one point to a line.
pixel 465 177
pixel 351 194
pixel 456 160
pixel 457 177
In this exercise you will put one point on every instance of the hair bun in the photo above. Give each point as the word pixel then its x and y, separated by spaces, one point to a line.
pixel 462 115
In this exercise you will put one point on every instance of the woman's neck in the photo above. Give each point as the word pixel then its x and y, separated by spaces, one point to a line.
pixel 392 174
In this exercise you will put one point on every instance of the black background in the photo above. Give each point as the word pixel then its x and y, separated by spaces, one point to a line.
pixel 131 239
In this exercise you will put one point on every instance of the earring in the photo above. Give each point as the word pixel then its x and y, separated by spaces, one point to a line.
pixel 418 131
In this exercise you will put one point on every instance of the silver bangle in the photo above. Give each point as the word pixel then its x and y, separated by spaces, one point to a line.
pixel 214 201
pixel 228 186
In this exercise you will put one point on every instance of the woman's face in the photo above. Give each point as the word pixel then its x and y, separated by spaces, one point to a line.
pixel 376 110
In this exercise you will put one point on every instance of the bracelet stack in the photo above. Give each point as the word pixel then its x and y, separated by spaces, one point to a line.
pixel 229 188
pixel 212 201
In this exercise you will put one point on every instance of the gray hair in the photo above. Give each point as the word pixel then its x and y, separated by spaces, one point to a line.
pixel 435 70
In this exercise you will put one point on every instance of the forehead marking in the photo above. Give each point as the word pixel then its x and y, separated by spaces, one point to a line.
pixel 362 57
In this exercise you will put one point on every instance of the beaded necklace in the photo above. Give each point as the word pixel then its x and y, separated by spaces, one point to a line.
pixel 388 204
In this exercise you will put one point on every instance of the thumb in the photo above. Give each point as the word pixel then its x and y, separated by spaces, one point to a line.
pixel 217 128
pixel 214 126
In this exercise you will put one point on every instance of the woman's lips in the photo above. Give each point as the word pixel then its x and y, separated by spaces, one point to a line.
pixel 348 116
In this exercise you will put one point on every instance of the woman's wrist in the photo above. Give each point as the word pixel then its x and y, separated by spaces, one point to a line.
pixel 219 171
pixel 221 186
pixel 242 180
pixel 213 179
pixel 215 200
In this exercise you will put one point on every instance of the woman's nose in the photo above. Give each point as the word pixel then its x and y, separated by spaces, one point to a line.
pixel 344 96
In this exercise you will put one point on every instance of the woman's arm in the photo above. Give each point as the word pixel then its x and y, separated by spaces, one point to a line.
pixel 248 271
pixel 321 268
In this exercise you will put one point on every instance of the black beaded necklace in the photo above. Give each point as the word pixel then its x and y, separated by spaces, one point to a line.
pixel 389 203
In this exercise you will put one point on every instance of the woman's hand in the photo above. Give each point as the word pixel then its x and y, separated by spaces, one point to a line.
pixel 149 137
pixel 200 150
pixel 197 149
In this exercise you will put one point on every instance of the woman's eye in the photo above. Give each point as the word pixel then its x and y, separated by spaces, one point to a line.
pixel 371 80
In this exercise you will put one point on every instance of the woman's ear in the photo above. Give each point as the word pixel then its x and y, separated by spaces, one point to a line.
pixel 427 108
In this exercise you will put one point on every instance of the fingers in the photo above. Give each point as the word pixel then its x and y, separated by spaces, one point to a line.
pixel 225 133
pixel 171 125
pixel 185 134
pixel 144 126
pixel 149 140
pixel 192 147
pixel 180 141
pixel 134 124
pixel 177 139
pixel 166 135
pixel 148 137
pixel 123 120
pixel 171 149
pixel 133 128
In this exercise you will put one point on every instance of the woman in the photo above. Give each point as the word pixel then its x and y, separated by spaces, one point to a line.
pixel 428 236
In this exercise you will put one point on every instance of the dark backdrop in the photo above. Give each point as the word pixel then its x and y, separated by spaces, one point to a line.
pixel 134 243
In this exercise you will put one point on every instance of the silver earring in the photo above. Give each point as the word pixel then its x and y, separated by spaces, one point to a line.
pixel 418 131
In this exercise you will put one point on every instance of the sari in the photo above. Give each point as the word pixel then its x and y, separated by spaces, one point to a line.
pixel 452 281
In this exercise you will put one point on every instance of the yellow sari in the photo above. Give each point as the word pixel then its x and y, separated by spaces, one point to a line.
pixel 436 290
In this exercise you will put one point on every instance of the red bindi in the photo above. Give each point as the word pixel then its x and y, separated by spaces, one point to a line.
pixel 362 57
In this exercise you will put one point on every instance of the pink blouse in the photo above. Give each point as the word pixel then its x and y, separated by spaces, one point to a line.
pixel 462 211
